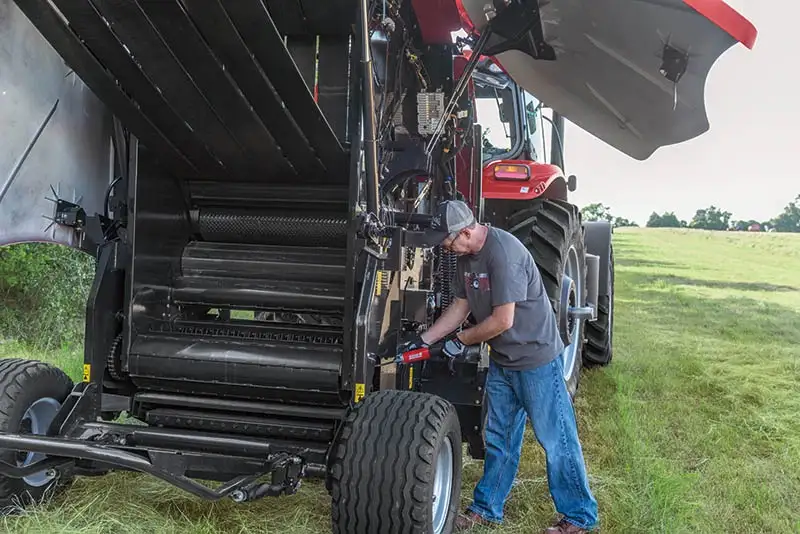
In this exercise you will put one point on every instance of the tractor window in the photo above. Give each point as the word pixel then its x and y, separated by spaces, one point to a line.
pixel 534 130
pixel 494 111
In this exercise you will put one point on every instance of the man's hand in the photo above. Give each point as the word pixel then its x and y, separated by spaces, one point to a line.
pixel 415 341
pixel 453 316
pixel 453 348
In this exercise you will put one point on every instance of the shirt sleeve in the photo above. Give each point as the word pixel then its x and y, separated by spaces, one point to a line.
pixel 509 281
pixel 457 283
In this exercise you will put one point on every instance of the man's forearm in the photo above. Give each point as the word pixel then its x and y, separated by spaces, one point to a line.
pixel 487 329
pixel 451 319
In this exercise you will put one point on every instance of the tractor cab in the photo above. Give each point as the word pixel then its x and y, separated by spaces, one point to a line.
pixel 510 117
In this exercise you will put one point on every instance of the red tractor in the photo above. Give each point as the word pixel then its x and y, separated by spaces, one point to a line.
pixel 252 178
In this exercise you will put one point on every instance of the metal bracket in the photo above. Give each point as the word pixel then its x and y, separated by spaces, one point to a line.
pixel 287 475
pixel 65 213
pixel 520 25
pixel 673 63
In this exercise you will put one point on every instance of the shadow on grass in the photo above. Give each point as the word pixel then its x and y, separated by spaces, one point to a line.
pixel 671 279
pixel 648 264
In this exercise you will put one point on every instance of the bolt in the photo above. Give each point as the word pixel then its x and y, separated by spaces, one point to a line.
pixel 238 496
pixel 51 473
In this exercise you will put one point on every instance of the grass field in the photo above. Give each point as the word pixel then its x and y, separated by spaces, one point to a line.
pixel 694 428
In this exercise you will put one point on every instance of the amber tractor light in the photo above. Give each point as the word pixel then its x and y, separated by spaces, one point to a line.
pixel 511 172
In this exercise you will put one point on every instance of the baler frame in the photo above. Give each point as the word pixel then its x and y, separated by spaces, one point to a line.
pixel 83 440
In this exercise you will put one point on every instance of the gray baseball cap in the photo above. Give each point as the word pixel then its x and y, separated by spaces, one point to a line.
pixel 450 217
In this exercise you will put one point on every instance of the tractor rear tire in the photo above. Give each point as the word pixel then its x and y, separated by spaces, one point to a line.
pixel 599 349
pixel 32 392
pixel 551 230
pixel 396 467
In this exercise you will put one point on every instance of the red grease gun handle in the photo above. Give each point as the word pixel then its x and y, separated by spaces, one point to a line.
pixel 471 354
pixel 414 356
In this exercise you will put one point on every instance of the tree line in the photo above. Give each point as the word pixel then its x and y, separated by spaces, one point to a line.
pixel 711 218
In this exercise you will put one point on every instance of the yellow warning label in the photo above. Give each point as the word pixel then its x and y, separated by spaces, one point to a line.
pixel 379 284
pixel 360 390
pixel 87 372
pixel 410 377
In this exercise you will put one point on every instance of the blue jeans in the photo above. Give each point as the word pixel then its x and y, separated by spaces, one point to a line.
pixel 541 395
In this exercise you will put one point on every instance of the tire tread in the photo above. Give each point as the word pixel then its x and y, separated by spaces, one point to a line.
pixel 378 485
pixel 546 228
pixel 17 374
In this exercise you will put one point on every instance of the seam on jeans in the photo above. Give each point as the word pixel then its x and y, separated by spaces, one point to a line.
pixel 572 463
pixel 507 449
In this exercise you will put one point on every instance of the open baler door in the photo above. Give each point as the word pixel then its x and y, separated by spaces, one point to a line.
pixel 630 72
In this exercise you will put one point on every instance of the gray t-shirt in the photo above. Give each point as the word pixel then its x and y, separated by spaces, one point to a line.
pixel 502 272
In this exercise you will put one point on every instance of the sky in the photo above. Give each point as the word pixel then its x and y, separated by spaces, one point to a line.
pixel 745 163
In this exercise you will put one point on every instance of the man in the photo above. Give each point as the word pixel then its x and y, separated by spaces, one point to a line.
pixel 497 280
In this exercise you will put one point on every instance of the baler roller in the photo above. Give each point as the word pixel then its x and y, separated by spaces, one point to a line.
pixel 259 294
pixel 263 262
pixel 226 363
pixel 247 227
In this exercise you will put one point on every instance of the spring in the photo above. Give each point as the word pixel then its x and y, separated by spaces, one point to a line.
pixel 447 270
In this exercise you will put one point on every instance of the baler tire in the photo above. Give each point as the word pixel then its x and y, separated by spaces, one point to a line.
pixel 549 229
pixel 23 383
pixel 599 348
pixel 383 472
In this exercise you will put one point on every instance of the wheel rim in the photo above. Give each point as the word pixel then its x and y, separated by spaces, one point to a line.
pixel 39 416
pixel 442 486
pixel 572 276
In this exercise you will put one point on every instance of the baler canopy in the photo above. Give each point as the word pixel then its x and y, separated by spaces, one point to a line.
pixel 631 73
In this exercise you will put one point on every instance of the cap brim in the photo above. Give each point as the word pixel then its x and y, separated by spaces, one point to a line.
pixel 433 237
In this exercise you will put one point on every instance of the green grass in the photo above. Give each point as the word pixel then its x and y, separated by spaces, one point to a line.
pixel 694 428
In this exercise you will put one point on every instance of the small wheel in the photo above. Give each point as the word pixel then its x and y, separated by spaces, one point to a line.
pixel 32 393
pixel 397 466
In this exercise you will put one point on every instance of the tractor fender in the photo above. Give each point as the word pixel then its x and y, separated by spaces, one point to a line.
pixel 597 237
